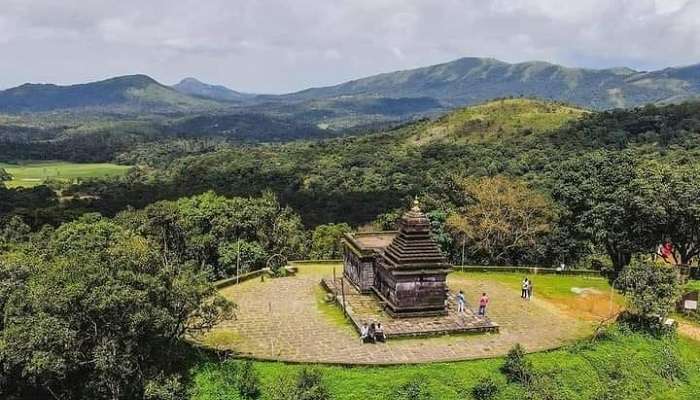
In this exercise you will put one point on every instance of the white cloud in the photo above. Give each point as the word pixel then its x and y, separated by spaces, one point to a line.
pixel 275 45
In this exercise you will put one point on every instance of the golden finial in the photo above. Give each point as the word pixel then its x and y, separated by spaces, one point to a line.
pixel 415 204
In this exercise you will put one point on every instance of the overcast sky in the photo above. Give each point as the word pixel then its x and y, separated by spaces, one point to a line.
pixel 278 46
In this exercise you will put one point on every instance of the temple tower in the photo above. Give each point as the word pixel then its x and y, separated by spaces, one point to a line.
pixel 410 273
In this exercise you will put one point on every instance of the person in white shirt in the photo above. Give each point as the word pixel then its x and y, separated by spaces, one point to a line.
pixel 460 302
pixel 525 288
pixel 364 332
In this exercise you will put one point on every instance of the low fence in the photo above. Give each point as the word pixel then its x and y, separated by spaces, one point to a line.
pixel 526 270
pixel 316 262
pixel 295 265
pixel 234 280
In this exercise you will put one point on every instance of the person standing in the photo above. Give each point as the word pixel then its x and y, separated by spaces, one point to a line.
pixel 529 290
pixel 483 302
pixel 460 302
pixel 525 287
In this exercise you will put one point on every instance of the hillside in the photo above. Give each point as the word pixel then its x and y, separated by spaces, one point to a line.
pixel 195 87
pixel 473 80
pixel 137 93
pixel 497 120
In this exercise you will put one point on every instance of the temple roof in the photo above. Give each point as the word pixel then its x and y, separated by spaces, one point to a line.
pixel 414 247
pixel 368 243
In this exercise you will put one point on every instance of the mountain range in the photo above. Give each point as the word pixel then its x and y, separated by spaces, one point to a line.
pixel 393 96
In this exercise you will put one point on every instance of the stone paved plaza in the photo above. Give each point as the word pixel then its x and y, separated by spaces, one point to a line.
pixel 363 308
pixel 286 319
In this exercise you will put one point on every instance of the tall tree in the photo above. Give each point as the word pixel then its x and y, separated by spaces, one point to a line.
pixel 504 220
pixel 672 193
pixel 604 203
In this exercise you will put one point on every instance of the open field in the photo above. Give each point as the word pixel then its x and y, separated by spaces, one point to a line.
pixel 29 174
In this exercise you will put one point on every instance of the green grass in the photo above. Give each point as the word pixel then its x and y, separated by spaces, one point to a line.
pixel 693 285
pixel 548 286
pixel 29 174
pixel 497 120
pixel 620 366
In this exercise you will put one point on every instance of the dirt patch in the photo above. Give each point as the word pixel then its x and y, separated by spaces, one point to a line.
pixel 690 330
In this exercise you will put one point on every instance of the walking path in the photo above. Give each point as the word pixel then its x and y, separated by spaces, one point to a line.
pixel 284 319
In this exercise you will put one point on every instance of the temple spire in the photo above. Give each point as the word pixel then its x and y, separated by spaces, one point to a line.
pixel 416 205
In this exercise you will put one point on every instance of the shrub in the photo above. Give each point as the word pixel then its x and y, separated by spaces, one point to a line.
pixel 247 381
pixel 164 388
pixel 517 368
pixel 310 386
pixel 415 389
pixel 651 290
pixel 284 388
pixel 486 389
pixel 669 365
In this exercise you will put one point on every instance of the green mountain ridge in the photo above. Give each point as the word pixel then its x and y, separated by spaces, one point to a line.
pixel 131 93
pixel 472 80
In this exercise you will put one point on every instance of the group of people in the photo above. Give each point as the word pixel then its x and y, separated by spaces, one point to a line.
pixel 461 302
pixel 526 293
pixel 372 333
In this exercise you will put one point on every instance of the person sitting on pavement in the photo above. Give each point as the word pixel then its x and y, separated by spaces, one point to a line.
pixel 364 332
pixel 379 335
pixel 371 332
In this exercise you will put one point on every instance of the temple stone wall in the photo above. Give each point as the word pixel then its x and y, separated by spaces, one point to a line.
pixel 359 271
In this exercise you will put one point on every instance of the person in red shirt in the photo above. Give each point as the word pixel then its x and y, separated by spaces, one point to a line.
pixel 483 302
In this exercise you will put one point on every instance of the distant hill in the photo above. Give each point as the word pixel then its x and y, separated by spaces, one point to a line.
pixel 194 87
pixel 496 120
pixel 133 93
pixel 372 102
pixel 473 80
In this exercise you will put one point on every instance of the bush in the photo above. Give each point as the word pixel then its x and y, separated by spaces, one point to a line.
pixel 669 365
pixel 247 382
pixel 486 389
pixel 284 388
pixel 164 388
pixel 415 389
pixel 651 290
pixel 517 368
pixel 310 386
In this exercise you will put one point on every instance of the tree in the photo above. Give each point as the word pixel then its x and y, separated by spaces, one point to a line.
pixel 604 203
pixel 672 193
pixel 651 289
pixel 325 240
pixel 98 312
pixel 504 221
pixel 206 229
pixel 241 256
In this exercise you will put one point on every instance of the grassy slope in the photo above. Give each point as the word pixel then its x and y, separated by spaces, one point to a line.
pixel 497 120
pixel 30 174
pixel 626 366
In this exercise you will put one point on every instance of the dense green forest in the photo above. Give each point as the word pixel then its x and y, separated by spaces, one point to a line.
pixel 102 280
pixel 368 179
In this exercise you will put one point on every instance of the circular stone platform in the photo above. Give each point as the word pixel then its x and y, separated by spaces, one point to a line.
pixel 286 319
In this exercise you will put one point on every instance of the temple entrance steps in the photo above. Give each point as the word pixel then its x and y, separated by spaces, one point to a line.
pixel 367 308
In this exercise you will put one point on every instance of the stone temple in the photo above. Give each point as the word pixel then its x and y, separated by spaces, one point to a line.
pixel 405 268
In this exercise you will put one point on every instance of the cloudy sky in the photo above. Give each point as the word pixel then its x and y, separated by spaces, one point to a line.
pixel 277 46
